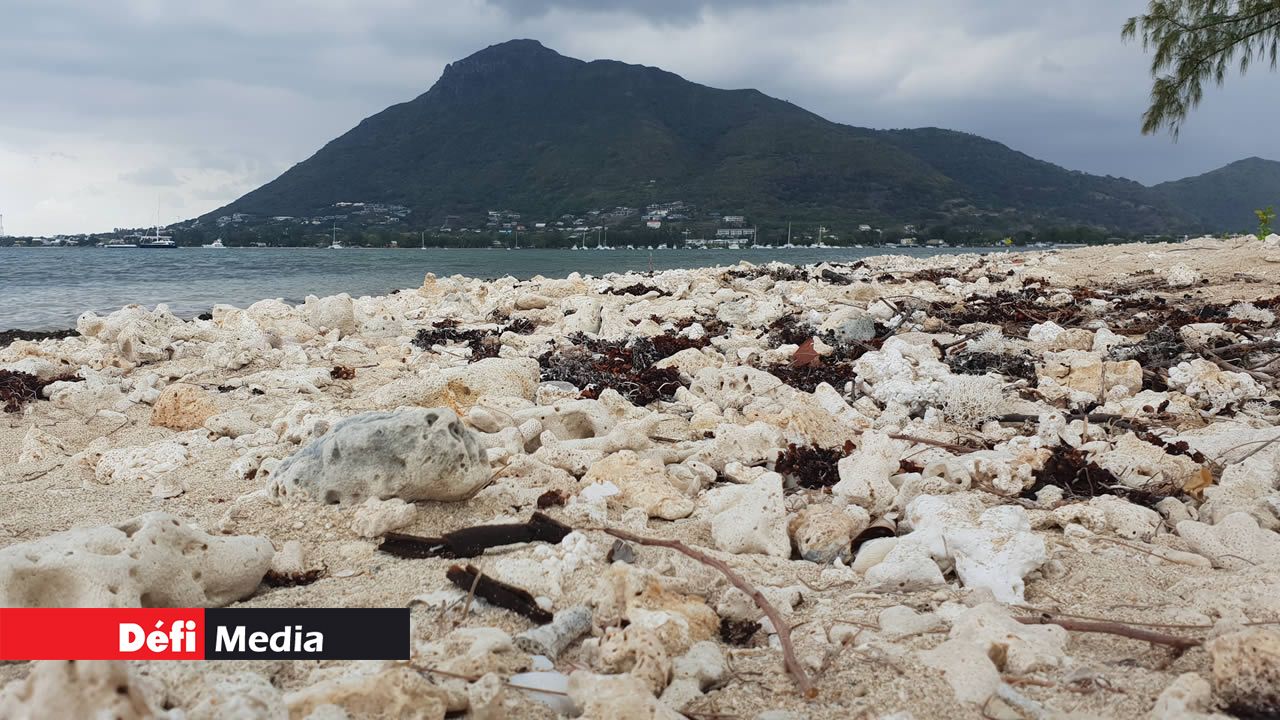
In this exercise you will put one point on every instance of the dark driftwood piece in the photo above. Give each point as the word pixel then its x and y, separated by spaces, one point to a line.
pixel 517 600
pixel 473 541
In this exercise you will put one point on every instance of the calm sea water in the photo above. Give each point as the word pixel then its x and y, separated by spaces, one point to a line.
pixel 48 288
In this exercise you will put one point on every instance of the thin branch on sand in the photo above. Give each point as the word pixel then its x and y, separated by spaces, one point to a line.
pixel 1176 642
pixel 780 625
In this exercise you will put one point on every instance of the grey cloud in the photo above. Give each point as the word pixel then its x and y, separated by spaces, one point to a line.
pixel 227 99
pixel 658 10
pixel 157 176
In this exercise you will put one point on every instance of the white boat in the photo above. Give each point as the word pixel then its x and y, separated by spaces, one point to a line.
pixel 215 244
pixel 119 245
pixel 157 241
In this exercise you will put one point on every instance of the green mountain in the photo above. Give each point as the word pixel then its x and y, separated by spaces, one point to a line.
pixel 1225 198
pixel 518 126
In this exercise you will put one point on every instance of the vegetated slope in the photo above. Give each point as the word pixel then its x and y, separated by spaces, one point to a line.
pixel 1224 199
pixel 518 126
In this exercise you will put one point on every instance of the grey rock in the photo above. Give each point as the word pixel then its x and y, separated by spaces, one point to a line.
pixel 856 329
pixel 411 453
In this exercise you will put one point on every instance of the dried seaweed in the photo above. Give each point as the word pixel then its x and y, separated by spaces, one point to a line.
pixel 551 498
pixel 10 336
pixel 483 343
pixel 737 632
pixel 1262 707
pixel 1015 311
pixel 510 597
pixel 19 388
pixel 787 273
pixel 812 467
pixel 788 330
pixel 1160 347
pixel 807 378
pixel 473 541
pixel 274 578
pixel 636 289
pixel 594 365
pixel 1081 478
pixel 1175 448
pixel 342 372
pixel 980 363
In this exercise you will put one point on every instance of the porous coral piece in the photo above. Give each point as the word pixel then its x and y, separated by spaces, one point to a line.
pixel 410 454
pixel 153 560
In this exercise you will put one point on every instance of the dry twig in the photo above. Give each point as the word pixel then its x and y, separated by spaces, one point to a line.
pixel 780 625
pixel 1113 628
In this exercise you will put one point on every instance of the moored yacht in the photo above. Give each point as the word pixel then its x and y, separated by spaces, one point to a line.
pixel 215 244
pixel 157 241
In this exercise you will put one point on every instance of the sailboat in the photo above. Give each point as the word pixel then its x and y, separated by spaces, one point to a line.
pixel 600 242
pixel 334 244
pixel 156 241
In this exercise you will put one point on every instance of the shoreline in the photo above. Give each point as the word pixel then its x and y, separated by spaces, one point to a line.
pixel 902 454
pixel 48 291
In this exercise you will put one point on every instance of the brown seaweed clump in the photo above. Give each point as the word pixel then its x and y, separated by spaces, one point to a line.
pixel 628 367
pixel 812 467
pixel 19 388
pixel 1081 479
pixel 483 343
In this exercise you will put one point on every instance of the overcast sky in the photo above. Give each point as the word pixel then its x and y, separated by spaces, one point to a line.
pixel 115 111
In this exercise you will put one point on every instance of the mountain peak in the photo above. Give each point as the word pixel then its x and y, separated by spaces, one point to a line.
pixel 499 61
pixel 519 47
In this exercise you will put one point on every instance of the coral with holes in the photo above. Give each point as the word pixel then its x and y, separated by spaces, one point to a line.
pixel 410 453
pixel 79 689
pixel 150 561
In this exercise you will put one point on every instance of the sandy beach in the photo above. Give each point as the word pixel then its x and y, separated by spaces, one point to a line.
pixel 966 484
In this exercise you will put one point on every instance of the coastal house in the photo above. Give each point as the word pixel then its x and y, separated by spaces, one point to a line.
pixel 736 234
